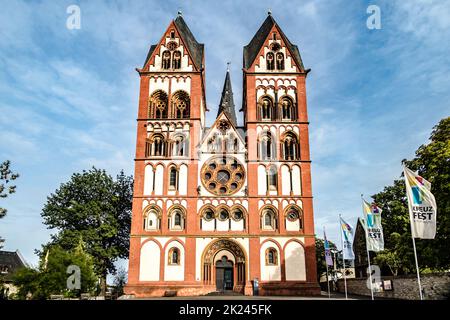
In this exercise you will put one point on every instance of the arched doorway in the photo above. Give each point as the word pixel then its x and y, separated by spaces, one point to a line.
pixel 224 274
pixel 224 265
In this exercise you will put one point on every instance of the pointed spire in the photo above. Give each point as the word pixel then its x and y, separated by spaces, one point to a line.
pixel 226 101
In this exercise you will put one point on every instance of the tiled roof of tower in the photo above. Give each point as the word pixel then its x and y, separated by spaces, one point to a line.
pixel 195 49
pixel 251 50
pixel 226 101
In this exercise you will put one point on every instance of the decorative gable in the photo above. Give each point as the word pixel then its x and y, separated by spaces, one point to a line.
pixel 176 51
pixel 271 51
pixel 222 137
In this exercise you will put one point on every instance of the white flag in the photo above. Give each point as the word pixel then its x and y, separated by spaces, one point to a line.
pixel 373 227
pixel 347 232
pixel 422 206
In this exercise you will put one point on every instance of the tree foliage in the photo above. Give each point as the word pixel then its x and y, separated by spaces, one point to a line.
pixel 96 208
pixel 432 161
pixel 6 186
pixel 320 256
pixel 51 276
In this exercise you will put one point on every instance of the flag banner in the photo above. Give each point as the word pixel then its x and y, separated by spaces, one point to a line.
pixel 328 258
pixel 347 232
pixel 422 206
pixel 372 224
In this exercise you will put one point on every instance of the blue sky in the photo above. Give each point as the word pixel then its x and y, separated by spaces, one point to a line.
pixel 68 98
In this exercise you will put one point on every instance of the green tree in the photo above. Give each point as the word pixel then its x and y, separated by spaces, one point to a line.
pixel 51 276
pixel 96 208
pixel 432 161
pixel 320 256
pixel 6 188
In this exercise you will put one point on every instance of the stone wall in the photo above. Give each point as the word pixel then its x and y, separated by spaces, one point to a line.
pixel 436 286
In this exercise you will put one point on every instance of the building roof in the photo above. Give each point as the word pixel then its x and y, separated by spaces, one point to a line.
pixel 226 101
pixel 251 50
pixel 10 261
pixel 195 49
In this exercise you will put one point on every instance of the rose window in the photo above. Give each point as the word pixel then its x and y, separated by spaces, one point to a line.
pixel 223 175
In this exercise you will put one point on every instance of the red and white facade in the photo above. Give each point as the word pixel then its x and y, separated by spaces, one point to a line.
pixel 216 208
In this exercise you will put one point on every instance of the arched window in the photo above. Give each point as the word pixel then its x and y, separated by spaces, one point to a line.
pixel 179 146
pixel 180 105
pixel 148 147
pixel 166 60
pixel 266 111
pixel 280 61
pixel 271 257
pixel 176 60
pixel 269 221
pixel 272 178
pixel 290 147
pixel 294 213
pixel 173 179
pixel 224 215
pixel 152 219
pixel 157 146
pixel 287 111
pixel 238 214
pixel 231 143
pixel 266 147
pixel 270 63
pixel 174 256
pixel 208 214
pixel 212 144
pixel 177 219
pixel 157 108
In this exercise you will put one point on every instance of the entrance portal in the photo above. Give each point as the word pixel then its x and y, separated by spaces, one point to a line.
pixel 224 274
pixel 224 266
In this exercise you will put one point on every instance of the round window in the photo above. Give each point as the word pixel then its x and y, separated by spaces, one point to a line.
pixel 223 176
pixel 223 215
pixel 209 215
pixel 293 215
pixel 238 215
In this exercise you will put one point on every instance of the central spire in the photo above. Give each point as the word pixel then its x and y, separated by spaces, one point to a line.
pixel 226 101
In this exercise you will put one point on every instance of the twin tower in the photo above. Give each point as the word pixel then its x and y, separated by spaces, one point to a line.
pixel 226 207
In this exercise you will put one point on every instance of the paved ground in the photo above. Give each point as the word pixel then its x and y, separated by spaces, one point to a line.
pixel 324 296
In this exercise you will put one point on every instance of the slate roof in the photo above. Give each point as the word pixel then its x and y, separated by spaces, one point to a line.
pixel 195 49
pixel 251 50
pixel 226 101
pixel 10 261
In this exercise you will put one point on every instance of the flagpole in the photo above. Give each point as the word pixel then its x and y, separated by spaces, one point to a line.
pixel 326 264
pixel 417 267
pixel 343 260
pixel 367 250
pixel 414 244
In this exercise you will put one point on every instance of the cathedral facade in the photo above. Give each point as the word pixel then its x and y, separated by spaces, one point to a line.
pixel 223 207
